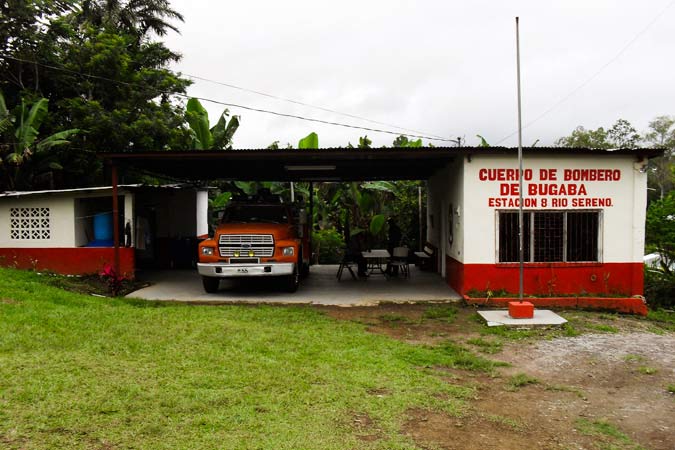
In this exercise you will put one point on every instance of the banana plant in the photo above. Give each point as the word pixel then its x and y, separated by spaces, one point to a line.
pixel 24 147
pixel 205 138
pixel 310 141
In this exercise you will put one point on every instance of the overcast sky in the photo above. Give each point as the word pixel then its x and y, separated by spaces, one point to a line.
pixel 442 67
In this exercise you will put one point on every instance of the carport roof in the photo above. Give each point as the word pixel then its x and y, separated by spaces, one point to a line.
pixel 328 164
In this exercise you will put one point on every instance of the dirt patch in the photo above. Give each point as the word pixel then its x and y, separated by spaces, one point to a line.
pixel 606 385
pixel 93 284
pixel 366 428
pixel 623 378
pixel 8 301
pixel 407 322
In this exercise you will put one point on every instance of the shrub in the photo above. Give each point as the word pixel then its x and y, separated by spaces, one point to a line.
pixel 659 288
pixel 328 246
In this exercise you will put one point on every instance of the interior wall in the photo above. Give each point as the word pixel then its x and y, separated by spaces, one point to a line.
pixel 89 204
pixel 174 210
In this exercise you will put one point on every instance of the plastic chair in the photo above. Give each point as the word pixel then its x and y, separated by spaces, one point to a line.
pixel 399 258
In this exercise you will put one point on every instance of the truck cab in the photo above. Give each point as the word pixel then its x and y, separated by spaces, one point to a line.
pixel 256 237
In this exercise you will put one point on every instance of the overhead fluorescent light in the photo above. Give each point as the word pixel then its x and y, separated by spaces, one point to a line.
pixel 307 168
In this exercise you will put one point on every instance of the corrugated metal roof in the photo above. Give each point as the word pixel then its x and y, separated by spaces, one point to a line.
pixel 94 189
pixel 326 164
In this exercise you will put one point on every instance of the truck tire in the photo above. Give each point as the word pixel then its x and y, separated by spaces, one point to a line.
pixel 211 284
pixel 292 281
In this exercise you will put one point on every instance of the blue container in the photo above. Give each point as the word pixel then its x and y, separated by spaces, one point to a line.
pixel 103 227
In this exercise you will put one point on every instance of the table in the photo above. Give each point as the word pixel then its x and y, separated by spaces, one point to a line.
pixel 376 260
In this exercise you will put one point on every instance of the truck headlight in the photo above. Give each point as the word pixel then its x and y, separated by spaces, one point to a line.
pixel 208 251
pixel 288 251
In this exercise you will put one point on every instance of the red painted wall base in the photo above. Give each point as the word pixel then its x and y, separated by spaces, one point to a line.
pixel 587 284
pixel 68 261
pixel 586 279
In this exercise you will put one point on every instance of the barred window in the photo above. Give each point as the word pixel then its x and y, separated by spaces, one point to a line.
pixel 550 236
pixel 29 223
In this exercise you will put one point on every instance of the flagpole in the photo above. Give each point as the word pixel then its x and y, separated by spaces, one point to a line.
pixel 521 238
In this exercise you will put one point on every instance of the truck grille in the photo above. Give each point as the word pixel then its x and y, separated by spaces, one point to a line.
pixel 261 244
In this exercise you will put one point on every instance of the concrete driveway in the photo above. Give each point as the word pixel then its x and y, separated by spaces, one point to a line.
pixel 320 288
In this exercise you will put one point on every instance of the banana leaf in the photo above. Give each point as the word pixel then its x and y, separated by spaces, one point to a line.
pixel 309 141
pixel 377 224
pixel 198 119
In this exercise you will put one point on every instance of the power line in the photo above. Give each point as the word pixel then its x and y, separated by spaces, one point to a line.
pixel 308 105
pixel 595 74
pixel 231 105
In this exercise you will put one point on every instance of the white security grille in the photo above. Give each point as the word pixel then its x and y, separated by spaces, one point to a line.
pixel 262 245
pixel 29 223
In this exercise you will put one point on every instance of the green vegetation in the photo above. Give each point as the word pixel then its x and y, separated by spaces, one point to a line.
pixel 445 313
pixel 671 388
pixel 105 72
pixel 608 436
pixel 646 370
pixel 660 237
pixel 78 371
pixel 328 245
pixel 633 358
pixel 486 346
pixel 395 318
pixel 604 328
pixel 510 333
pixel 563 388
pixel 662 318
pixel 505 421
pixel 520 380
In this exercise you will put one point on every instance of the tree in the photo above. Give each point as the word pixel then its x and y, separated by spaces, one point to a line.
pixel 96 63
pixel 22 155
pixel 483 142
pixel 581 137
pixel 621 135
pixel 25 28
pixel 364 142
pixel 660 237
pixel 662 135
pixel 403 141
pixel 135 17
pixel 660 230
pixel 205 138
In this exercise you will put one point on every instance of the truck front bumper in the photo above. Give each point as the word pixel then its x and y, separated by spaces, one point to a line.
pixel 223 270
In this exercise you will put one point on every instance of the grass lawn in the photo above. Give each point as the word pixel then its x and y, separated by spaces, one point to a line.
pixel 87 372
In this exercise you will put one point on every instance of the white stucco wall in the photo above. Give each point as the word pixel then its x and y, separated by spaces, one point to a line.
pixel 67 216
pixel 622 226
pixel 61 219
pixel 446 189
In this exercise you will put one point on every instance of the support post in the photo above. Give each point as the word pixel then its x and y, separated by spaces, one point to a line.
pixel 419 210
pixel 311 219
pixel 521 236
pixel 115 218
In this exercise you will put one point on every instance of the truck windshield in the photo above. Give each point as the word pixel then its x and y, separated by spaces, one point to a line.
pixel 255 213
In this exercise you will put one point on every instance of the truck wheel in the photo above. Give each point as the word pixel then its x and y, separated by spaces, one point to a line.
pixel 293 281
pixel 211 284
